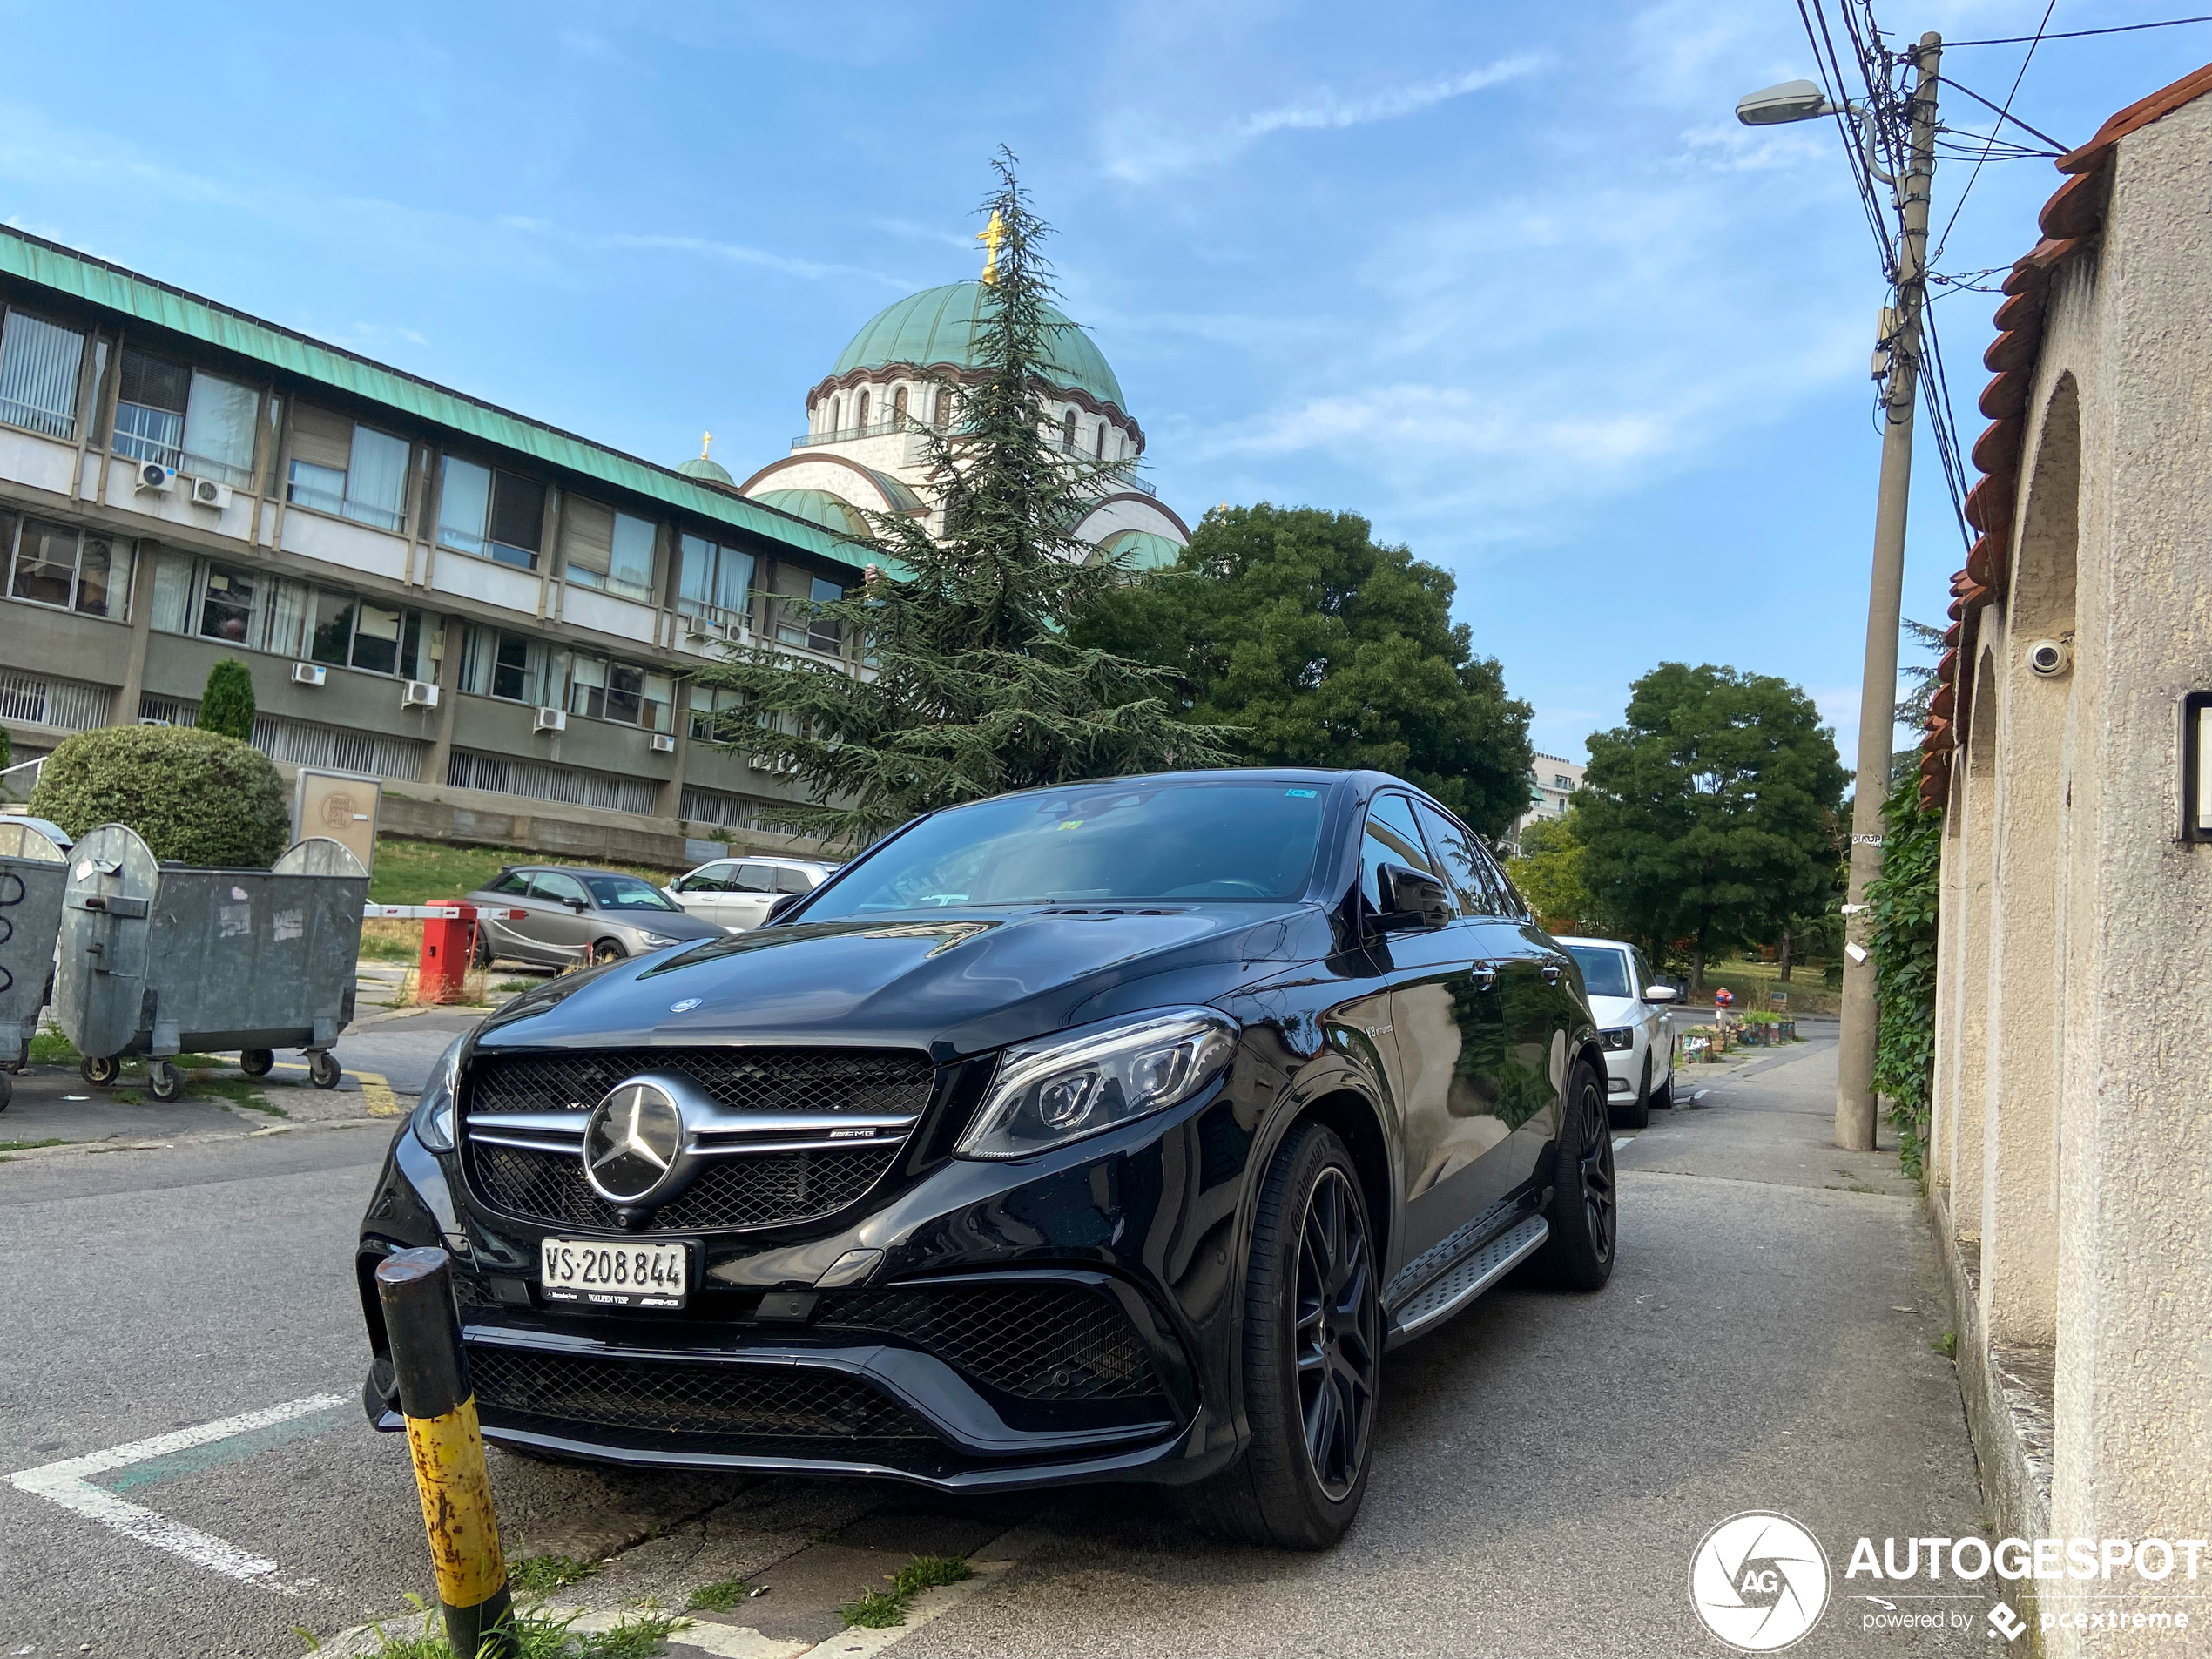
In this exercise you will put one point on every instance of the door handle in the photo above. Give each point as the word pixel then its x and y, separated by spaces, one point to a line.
pixel 1484 975
pixel 1551 972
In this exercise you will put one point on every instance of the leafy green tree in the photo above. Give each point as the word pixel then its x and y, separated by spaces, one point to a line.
pixel 226 704
pixel 977 686
pixel 1711 816
pixel 1548 872
pixel 1905 900
pixel 1328 648
pixel 194 797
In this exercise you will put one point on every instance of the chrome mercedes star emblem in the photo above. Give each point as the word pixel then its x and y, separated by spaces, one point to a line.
pixel 684 1007
pixel 630 1142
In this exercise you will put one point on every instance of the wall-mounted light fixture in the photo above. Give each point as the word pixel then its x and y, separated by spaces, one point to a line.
pixel 2196 773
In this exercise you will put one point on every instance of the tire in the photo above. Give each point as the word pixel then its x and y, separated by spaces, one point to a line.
pixel 163 1082
pixel 1635 1114
pixel 99 1072
pixel 1584 1215
pixel 257 1062
pixel 7 1091
pixel 607 951
pixel 323 1070
pixel 1308 1375
pixel 1663 1100
pixel 480 949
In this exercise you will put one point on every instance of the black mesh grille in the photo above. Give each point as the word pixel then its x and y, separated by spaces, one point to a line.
pixel 778 1403
pixel 762 1189
pixel 742 1080
pixel 1054 1342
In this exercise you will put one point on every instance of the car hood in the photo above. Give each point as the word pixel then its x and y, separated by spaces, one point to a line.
pixel 1616 1010
pixel 672 924
pixel 956 984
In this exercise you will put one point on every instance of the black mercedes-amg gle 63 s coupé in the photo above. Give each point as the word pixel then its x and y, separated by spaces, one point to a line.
pixel 1109 1132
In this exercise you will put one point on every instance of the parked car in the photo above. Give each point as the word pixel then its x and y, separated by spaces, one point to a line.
pixel 1631 1004
pixel 1102 1132
pixel 735 894
pixel 579 915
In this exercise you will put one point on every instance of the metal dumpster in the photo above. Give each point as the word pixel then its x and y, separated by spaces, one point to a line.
pixel 31 872
pixel 158 959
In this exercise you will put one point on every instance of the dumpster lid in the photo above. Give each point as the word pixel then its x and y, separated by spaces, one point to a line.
pixel 19 840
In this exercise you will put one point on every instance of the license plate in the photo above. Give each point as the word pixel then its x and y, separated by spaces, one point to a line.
pixel 604 1273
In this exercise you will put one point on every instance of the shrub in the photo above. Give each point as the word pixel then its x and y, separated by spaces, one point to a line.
pixel 1904 901
pixel 226 704
pixel 194 797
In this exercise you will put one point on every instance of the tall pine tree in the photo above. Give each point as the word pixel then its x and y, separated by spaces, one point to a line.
pixel 973 687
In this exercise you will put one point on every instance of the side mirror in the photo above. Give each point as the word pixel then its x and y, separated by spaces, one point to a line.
pixel 1658 993
pixel 1415 900
pixel 783 903
pixel 578 905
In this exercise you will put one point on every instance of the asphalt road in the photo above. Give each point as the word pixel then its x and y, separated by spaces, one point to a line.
pixel 1548 1463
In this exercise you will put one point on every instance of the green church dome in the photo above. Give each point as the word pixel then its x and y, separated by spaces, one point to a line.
pixel 938 326
pixel 707 472
pixel 1144 550
pixel 833 513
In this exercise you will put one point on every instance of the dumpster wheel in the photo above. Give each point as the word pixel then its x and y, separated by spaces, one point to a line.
pixel 7 1091
pixel 323 1070
pixel 256 1063
pixel 99 1072
pixel 162 1080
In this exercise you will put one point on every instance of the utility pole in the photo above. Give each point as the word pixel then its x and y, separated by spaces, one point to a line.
pixel 1878 693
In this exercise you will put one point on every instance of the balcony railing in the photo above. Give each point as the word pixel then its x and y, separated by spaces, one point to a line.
pixel 881 428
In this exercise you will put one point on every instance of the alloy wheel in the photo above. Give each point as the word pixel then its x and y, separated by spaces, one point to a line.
pixel 1336 1337
pixel 1600 1199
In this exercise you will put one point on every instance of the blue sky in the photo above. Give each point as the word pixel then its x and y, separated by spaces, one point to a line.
pixel 1507 278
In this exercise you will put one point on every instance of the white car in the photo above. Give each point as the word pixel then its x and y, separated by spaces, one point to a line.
pixel 737 893
pixel 1631 1007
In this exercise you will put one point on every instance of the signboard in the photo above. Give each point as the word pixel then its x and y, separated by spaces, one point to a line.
pixel 341 805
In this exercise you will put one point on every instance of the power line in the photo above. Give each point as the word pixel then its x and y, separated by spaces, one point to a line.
pixel 2007 114
pixel 2077 34
pixel 2003 115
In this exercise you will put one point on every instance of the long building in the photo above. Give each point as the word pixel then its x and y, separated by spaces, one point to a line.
pixel 496 618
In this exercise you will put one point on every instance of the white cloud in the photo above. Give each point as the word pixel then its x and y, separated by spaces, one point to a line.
pixel 1141 148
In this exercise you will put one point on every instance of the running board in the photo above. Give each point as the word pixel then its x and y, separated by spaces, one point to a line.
pixel 1466 1279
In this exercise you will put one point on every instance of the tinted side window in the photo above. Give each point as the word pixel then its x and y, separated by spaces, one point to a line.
pixel 792 882
pixel 1391 837
pixel 514 881
pixel 1462 862
pixel 548 884
pixel 753 878
pixel 713 879
pixel 1509 902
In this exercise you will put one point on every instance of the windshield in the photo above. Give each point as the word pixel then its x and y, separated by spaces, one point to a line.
pixel 1100 844
pixel 627 893
pixel 1605 970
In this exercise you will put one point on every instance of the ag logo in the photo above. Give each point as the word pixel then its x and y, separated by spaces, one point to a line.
pixel 1758 1581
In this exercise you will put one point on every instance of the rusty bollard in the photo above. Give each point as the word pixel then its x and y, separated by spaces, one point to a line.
pixel 415 1287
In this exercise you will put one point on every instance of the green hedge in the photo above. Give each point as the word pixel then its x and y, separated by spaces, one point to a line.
pixel 227 703
pixel 1905 906
pixel 195 797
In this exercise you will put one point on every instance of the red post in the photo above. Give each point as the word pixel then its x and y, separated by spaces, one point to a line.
pixel 446 948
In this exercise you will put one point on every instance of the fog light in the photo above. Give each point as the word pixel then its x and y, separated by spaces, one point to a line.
pixel 1616 1085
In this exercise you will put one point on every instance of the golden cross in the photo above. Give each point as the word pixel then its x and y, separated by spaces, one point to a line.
pixel 705 438
pixel 991 235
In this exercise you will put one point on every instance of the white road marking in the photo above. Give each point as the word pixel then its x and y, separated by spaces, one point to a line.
pixel 65 1483
pixel 1620 1141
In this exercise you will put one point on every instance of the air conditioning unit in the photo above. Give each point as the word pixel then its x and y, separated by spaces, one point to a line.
pixel 699 628
pixel 662 744
pixel 311 674
pixel 765 763
pixel 420 694
pixel 155 476
pixel 206 492
pixel 551 720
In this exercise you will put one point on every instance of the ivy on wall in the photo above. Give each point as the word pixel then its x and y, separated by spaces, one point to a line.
pixel 1904 904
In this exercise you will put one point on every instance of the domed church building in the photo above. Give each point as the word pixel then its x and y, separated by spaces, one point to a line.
pixel 865 451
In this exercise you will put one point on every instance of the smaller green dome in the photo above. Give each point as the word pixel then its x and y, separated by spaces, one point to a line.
pixel 938 326
pixel 833 513
pixel 707 471
pixel 1144 550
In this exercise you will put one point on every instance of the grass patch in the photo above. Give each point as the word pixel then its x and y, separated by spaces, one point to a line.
pixel 25 1146
pixel 387 939
pixel 432 872
pixel 238 1091
pixel 540 1575
pixel 538 1637
pixel 50 1048
pixel 720 1596
pixel 881 1609
pixel 1949 1346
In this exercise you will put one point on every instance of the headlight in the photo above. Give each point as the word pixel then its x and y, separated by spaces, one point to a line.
pixel 1620 1038
pixel 1096 1077
pixel 659 941
pixel 432 1119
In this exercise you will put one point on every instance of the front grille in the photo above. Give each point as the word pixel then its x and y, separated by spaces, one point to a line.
pixel 893 1081
pixel 1046 1342
pixel 739 1190
pixel 754 1403
pixel 758 1189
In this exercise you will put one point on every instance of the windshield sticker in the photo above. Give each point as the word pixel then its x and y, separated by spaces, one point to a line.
pixel 1301 795
pixel 1072 823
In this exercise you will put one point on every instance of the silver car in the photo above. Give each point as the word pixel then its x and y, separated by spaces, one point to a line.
pixel 575 916
pixel 736 893
pixel 1630 1006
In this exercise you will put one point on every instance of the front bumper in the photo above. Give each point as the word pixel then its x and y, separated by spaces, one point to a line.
pixel 1014 1335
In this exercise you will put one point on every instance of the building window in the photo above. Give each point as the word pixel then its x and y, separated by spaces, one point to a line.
pixel 354 471
pixel 498 663
pixel 604 548
pixel 68 568
pixel 715 581
pixel 944 406
pixel 899 406
pixel 39 362
pixel 185 419
pixel 863 420
pixel 1100 450
pixel 150 409
pixel 604 689
pixel 794 628
pixel 1068 432
pixel 493 514
pixel 712 705
pixel 287 619
pixel 837 412
pixel 1561 780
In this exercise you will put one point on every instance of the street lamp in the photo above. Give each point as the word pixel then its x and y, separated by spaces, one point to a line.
pixel 1804 101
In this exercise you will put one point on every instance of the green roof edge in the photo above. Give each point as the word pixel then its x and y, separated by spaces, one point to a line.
pixel 95 282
